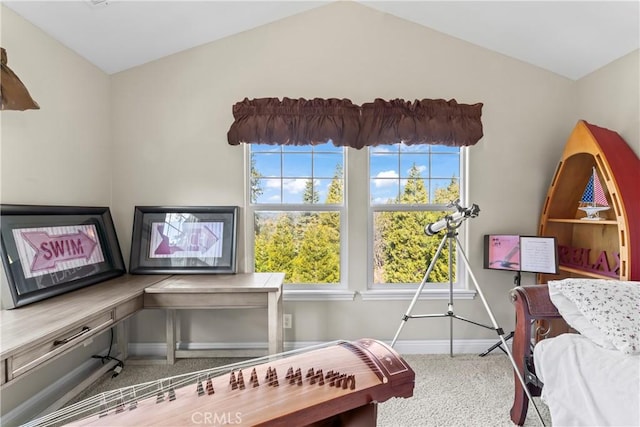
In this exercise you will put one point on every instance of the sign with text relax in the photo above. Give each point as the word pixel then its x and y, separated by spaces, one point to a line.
pixel 591 261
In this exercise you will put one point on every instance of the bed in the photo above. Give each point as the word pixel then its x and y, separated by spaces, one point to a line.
pixel 587 378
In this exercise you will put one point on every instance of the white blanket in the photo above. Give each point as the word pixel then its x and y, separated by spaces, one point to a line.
pixel 587 385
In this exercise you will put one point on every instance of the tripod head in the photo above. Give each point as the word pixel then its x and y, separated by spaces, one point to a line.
pixel 454 220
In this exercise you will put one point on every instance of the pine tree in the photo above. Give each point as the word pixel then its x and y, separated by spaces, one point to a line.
pixel 256 188
pixel 318 260
pixel 275 249
pixel 310 195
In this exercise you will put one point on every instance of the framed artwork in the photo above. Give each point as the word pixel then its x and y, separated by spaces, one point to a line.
pixel 49 250
pixel 184 240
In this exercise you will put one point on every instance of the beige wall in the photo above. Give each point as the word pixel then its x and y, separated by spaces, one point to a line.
pixel 610 97
pixel 171 117
pixel 58 155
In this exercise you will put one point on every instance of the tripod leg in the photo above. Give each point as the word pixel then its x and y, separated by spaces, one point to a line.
pixel 499 331
pixel 407 315
pixel 496 345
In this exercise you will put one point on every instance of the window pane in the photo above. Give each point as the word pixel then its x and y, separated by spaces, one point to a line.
pixel 330 191
pixel 402 251
pixel 414 165
pixel 266 164
pixel 296 165
pixel 384 166
pixel 297 174
pixel 445 165
pixel 444 191
pixel 266 191
pixel 304 245
pixel 384 190
pixel 327 165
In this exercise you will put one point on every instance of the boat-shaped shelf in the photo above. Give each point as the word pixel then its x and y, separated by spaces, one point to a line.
pixel 593 207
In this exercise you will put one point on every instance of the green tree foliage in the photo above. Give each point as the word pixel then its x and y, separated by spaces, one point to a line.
pixel 275 247
pixel 307 245
pixel 310 195
pixel 402 251
pixel 304 245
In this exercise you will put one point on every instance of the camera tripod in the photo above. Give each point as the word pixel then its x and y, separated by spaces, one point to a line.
pixel 451 236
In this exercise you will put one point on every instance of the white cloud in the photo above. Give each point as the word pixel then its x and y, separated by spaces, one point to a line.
pixel 294 186
pixel 388 178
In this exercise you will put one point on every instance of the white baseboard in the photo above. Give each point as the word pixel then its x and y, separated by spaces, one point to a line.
pixel 402 346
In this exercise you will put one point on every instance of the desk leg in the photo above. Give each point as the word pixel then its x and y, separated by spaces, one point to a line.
pixel 122 337
pixel 171 336
pixel 275 322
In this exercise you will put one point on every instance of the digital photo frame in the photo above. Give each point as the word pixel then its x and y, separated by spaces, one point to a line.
pixel 530 254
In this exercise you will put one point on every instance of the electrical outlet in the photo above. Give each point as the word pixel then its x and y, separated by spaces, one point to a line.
pixel 287 321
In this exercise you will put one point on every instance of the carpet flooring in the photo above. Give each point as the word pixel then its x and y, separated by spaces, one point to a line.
pixel 463 390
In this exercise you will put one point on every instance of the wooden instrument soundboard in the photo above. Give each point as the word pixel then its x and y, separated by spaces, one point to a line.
pixel 334 384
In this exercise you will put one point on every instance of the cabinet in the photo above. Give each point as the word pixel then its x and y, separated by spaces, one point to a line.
pixel 607 248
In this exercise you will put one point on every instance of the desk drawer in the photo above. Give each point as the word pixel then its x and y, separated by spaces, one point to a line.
pixel 40 354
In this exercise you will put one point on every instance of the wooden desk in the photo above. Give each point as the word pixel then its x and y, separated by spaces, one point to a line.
pixel 248 290
pixel 38 333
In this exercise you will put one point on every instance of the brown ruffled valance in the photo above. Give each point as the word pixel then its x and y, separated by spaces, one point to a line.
pixel 316 121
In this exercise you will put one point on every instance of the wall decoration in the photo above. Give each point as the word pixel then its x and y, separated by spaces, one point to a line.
pixel 184 240
pixel 49 250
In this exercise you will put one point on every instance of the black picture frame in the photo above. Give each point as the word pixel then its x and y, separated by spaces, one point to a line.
pixel 184 240
pixel 50 250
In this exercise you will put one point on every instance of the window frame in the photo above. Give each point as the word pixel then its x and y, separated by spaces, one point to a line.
pixel 332 290
pixel 392 290
pixel 356 171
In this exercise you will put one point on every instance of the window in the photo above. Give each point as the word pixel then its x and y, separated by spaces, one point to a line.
pixel 410 187
pixel 297 202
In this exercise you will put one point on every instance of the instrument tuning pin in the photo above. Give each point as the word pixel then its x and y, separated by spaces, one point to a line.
pixel 289 376
pixel 298 376
pixel 253 380
pixel 233 381
pixel 210 386
pixel 240 380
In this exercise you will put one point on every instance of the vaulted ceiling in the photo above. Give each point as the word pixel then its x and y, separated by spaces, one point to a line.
pixel 570 38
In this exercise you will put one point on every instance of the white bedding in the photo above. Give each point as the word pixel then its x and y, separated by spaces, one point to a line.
pixel 587 385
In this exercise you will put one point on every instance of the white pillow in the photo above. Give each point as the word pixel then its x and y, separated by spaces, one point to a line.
pixel 605 311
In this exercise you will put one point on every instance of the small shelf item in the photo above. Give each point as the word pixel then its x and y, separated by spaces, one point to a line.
pixel 593 199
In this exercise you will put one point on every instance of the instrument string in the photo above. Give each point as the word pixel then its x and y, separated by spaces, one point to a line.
pixel 130 397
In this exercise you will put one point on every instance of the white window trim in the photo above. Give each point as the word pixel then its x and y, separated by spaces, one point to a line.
pixel 394 291
pixel 341 291
pixel 307 291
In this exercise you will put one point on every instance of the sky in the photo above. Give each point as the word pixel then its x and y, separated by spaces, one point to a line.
pixel 285 170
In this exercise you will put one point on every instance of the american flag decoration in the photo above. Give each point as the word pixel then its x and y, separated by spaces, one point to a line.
pixel 593 199
pixel 594 193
